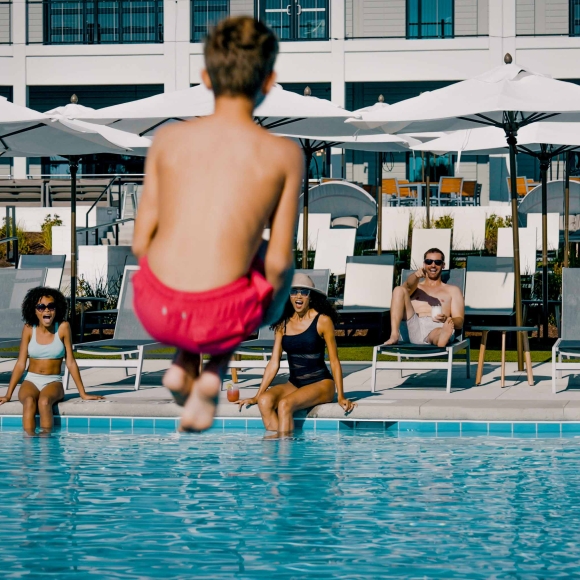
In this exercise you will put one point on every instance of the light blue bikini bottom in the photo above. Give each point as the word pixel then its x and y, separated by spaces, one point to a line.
pixel 40 381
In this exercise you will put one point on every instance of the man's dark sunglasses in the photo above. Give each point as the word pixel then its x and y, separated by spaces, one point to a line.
pixel 429 261
pixel 43 307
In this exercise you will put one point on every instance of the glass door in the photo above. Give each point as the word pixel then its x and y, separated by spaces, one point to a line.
pixel 296 19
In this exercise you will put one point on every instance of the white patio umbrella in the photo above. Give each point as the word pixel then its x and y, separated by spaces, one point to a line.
pixel 541 140
pixel 509 97
pixel 279 110
pixel 55 133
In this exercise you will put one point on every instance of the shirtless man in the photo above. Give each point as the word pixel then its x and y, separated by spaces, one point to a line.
pixel 213 184
pixel 412 302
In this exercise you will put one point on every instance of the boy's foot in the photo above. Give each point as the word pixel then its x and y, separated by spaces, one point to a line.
pixel 446 332
pixel 179 383
pixel 393 340
pixel 200 407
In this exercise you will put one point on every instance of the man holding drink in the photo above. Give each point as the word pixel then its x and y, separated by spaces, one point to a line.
pixel 431 309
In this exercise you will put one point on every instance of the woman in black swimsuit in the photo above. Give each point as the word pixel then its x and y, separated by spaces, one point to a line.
pixel 304 332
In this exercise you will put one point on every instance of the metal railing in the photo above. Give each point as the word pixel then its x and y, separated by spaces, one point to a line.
pixel 395 19
pixel 548 18
pixel 5 21
pixel 98 227
pixel 94 21
pixel 11 239
pixel 205 14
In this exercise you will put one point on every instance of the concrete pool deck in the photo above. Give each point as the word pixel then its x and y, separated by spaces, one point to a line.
pixel 420 396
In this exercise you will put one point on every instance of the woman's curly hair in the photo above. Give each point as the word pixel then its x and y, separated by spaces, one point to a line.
pixel 318 302
pixel 33 297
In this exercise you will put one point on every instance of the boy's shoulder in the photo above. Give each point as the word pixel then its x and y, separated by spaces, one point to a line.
pixel 285 148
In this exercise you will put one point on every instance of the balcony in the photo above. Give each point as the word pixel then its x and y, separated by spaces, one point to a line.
pixel 416 19
pixel 94 22
pixel 548 17
pixel 292 20
pixel 5 21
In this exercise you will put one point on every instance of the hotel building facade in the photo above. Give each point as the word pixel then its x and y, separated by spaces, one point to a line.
pixel 349 51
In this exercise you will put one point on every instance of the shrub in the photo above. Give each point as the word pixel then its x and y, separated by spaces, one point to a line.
pixel 23 243
pixel 445 222
pixel 46 228
pixel 492 224
pixel 101 288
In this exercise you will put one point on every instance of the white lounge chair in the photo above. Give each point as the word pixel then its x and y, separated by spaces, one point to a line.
pixel 333 247
pixel 316 222
pixel 54 267
pixel 535 221
pixel 424 240
pixel 14 284
pixel 129 340
pixel 395 229
pixel 505 248
pixel 417 352
pixel 569 344
pixel 468 230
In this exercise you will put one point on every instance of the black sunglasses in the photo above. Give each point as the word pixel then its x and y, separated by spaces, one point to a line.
pixel 429 261
pixel 43 307
pixel 303 291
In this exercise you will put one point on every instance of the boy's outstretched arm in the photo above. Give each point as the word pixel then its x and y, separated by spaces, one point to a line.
pixel 147 214
pixel 279 261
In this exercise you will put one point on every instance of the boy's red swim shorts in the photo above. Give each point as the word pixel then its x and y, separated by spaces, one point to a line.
pixel 211 322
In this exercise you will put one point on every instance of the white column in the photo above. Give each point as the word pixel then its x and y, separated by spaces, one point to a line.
pixel 19 72
pixel 176 32
pixel 337 83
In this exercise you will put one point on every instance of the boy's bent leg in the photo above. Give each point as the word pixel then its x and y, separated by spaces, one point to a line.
pixel 181 374
pixel 401 308
pixel 199 410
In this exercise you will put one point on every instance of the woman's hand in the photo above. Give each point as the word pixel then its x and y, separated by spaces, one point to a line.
pixel 87 397
pixel 248 402
pixel 4 400
pixel 347 405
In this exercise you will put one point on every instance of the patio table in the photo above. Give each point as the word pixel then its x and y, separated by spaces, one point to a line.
pixel 504 330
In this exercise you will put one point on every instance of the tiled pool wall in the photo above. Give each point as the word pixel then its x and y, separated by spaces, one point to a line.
pixel 157 425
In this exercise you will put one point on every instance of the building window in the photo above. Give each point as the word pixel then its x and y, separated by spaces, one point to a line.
pixel 96 22
pixel 430 19
pixel 205 14
pixel 574 17
pixel 297 20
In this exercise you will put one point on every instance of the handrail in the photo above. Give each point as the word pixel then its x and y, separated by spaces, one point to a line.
pixel 94 204
pixel 116 224
pixel 7 241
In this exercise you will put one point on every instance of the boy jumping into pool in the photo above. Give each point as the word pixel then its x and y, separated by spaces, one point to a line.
pixel 212 186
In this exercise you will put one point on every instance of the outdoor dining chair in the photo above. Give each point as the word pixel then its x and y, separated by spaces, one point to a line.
pixel 420 356
pixel 129 340
pixel 469 192
pixel 523 186
pixel 450 191
pixel 569 343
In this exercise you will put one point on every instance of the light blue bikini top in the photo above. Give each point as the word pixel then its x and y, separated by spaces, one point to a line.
pixel 53 350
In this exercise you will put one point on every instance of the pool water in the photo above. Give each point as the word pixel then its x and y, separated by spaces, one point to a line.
pixel 236 505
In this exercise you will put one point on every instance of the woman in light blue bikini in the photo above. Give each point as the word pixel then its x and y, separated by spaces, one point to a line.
pixel 46 341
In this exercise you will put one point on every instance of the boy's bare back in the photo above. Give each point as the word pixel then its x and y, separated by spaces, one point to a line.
pixel 215 183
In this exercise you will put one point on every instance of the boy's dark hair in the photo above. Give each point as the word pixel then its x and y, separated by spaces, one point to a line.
pixel 33 297
pixel 239 54
pixel 434 251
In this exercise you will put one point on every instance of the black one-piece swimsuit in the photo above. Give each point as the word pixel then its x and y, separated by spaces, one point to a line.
pixel 306 356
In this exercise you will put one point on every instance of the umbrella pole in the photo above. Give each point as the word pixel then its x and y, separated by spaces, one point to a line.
pixel 73 163
pixel 566 209
pixel 512 142
pixel 544 163
pixel 308 155
pixel 379 204
pixel 428 190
